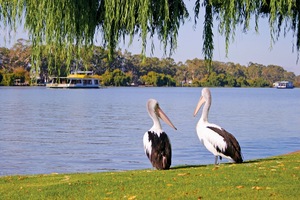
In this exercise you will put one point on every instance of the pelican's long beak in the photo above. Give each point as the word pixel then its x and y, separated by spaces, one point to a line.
pixel 164 117
pixel 201 101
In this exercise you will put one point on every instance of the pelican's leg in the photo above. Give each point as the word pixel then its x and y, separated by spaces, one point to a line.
pixel 216 160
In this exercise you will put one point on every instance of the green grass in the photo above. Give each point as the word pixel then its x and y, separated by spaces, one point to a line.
pixel 271 178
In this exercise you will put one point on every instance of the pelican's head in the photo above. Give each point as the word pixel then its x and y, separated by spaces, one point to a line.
pixel 205 96
pixel 156 112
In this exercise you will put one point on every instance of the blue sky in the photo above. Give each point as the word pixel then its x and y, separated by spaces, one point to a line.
pixel 247 47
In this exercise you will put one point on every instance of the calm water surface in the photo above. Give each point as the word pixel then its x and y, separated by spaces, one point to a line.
pixel 64 131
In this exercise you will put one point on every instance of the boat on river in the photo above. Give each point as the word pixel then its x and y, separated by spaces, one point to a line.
pixel 77 79
pixel 284 85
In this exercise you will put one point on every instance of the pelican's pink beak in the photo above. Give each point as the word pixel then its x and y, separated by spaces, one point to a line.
pixel 201 101
pixel 164 117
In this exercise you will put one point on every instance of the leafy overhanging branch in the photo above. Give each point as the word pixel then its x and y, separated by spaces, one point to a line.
pixel 232 13
pixel 64 27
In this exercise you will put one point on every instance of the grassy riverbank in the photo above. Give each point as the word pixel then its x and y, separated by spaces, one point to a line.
pixel 271 178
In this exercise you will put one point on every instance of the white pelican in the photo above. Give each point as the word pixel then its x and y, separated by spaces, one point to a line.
pixel 157 145
pixel 216 139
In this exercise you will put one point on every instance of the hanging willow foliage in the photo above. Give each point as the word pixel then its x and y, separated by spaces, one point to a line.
pixel 65 29
pixel 232 13
pixel 62 28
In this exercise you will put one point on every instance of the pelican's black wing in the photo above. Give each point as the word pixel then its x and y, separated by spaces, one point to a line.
pixel 233 148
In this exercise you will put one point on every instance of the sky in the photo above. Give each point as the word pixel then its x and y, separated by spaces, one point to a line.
pixel 246 47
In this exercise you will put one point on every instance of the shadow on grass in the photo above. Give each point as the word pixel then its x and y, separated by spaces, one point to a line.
pixel 187 166
pixel 263 160
pixel 229 163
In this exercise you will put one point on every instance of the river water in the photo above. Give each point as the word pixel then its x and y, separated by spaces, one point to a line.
pixel 68 131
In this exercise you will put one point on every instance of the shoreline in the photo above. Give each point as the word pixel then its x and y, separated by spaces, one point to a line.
pixel 1 176
pixel 293 152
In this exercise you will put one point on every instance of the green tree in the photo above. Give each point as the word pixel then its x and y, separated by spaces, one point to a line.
pixel 241 82
pixel 272 73
pixel 4 57
pixel 216 80
pixel 204 82
pixel 297 81
pixel 150 79
pixel 231 81
pixel 1 76
pixel 8 79
pixel 115 78
pixel 170 81
pixel 20 53
pixel 22 74
pixel 254 71
pixel 290 76
pixel 181 74
pixel 107 78
pixel 197 69
pixel 120 78
pixel 259 82
pixel 158 79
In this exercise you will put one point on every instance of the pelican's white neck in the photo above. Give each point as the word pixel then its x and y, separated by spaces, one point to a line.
pixel 205 111
pixel 156 123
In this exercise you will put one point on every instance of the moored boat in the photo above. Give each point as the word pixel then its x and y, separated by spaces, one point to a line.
pixel 284 85
pixel 77 79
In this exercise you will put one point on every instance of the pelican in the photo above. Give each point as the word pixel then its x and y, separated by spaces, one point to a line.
pixel 216 139
pixel 157 145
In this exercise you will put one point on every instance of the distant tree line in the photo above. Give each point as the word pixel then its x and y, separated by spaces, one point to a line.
pixel 126 69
